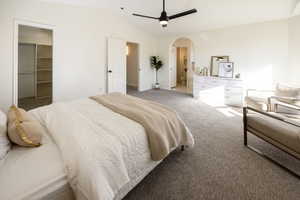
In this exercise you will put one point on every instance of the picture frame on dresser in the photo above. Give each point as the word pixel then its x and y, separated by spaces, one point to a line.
pixel 226 69
pixel 214 64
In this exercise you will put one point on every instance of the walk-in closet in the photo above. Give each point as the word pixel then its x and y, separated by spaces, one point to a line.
pixel 35 63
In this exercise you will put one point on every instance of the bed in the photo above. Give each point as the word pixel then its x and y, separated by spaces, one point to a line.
pixel 98 153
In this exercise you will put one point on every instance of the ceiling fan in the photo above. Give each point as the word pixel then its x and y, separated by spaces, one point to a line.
pixel 164 18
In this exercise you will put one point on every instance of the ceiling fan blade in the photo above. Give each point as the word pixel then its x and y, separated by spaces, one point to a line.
pixel 145 16
pixel 183 14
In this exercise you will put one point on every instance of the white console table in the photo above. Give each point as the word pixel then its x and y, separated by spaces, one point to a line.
pixel 226 90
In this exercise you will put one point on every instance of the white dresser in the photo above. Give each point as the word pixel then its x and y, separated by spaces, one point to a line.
pixel 218 91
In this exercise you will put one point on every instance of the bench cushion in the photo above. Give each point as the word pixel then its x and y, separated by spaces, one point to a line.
pixel 287 91
pixel 259 103
pixel 284 133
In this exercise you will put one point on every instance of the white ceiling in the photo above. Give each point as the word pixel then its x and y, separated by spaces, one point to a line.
pixel 212 14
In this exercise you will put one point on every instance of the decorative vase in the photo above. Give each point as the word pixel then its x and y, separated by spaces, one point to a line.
pixel 157 86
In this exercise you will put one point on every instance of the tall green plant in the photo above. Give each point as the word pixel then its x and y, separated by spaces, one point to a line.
pixel 156 63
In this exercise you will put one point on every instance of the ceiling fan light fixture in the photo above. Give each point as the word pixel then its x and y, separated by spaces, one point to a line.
pixel 163 22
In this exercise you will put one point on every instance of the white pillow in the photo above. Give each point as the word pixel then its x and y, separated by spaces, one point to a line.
pixel 4 142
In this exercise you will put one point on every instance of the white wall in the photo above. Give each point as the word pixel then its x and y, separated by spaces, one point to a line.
pixel 259 51
pixel 79 47
pixel 132 65
pixel 294 51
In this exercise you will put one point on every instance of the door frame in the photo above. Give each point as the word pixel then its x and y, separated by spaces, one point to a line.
pixel 17 23
pixel 139 64
pixel 173 68
pixel 192 60
pixel 139 61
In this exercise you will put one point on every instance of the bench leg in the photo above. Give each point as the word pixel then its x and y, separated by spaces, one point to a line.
pixel 274 161
pixel 245 138
pixel 182 147
pixel 245 126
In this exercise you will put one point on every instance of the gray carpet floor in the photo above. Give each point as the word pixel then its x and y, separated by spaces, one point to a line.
pixel 219 167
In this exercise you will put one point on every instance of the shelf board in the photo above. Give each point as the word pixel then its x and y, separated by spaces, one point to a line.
pixel 44 70
pixel 44 67
pixel 47 45
pixel 26 73
pixel 44 97
pixel 45 58
pixel 26 43
pixel 43 82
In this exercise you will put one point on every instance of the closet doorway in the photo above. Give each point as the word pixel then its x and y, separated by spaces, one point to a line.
pixel 132 67
pixel 34 69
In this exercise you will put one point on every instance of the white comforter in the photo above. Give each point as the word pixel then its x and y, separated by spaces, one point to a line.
pixel 102 150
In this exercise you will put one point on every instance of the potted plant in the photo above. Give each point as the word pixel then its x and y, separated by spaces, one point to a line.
pixel 156 63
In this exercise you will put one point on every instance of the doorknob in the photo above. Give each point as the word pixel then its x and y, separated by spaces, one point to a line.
pixel 109 71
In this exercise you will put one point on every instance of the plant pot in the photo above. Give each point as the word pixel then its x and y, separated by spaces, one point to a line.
pixel 156 86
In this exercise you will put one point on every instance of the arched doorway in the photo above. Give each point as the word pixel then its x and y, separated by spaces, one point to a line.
pixel 181 55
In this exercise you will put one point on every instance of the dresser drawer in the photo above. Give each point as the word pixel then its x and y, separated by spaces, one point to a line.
pixel 235 100
pixel 235 83
pixel 235 90
pixel 211 88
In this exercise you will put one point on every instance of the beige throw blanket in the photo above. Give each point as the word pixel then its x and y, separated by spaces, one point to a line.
pixel 164 128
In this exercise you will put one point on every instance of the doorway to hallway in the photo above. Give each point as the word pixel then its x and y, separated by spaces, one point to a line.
pixel 132 66
pixel 181 72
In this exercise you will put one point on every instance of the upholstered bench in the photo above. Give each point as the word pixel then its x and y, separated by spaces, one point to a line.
pixel 271 100
pixel 282 132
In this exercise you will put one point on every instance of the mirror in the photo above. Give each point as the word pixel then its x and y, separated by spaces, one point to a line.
pixel 214 65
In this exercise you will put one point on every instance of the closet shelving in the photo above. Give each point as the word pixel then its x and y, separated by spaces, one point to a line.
pixel 44 74
pixel 42 77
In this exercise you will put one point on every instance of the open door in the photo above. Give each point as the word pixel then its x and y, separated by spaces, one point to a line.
pixel 116 69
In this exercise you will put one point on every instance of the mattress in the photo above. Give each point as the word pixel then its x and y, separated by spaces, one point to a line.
pixel 34 173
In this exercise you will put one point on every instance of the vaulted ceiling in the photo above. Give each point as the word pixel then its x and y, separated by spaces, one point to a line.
pixel 212 14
